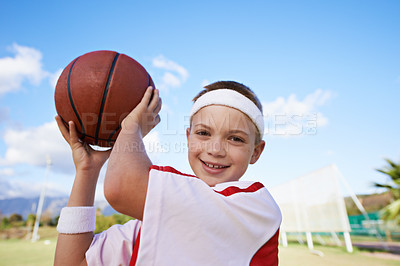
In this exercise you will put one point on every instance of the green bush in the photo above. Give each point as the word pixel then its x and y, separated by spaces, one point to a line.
pixel 5 223
pixel 105 222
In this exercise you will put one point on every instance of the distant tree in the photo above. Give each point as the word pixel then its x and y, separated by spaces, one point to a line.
pixel 14 218
pixel 30 220
pixel 56 220
pixel 121 218
pixel 5 223
pixel 392 170
pixel 103 223
pixel 46 219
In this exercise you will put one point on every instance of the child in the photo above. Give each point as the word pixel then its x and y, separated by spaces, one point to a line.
pixel 211 218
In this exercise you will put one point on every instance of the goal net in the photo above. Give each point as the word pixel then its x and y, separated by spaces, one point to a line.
pixel 313 203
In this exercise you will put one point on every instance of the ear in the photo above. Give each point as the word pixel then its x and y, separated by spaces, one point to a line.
pixel 258 149
pixel 187 135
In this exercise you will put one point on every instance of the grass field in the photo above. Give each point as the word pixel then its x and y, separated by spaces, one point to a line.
pixel 24 252
pixel 296 254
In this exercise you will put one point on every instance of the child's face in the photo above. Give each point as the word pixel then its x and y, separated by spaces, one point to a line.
pixel 221 144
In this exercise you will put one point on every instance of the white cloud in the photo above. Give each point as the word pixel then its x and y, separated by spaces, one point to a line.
pixel 25 65
pixel 13 188
pixel 175 75
pixel 6 172
pixel 152 143
pixel 4 112
pixel 53 78
pixel 164 63
pixel 32 146
pixel 171 80
pixel 205 83
pixel 290 117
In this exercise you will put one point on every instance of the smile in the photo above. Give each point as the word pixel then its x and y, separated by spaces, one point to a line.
pixel 213 165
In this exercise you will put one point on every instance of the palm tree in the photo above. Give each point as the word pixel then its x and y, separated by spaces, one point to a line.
pixel 391 211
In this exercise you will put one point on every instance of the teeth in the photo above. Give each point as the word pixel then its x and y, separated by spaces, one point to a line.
pixel 214 166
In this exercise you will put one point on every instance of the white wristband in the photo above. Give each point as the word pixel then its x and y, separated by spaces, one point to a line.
pixel 76 220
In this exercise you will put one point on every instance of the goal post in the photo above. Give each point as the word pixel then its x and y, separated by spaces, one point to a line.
pixel 313 203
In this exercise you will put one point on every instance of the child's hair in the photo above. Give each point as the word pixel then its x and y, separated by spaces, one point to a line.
pixel 238 87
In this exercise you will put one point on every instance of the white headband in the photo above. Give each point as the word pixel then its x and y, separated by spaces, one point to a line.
pixel 232 99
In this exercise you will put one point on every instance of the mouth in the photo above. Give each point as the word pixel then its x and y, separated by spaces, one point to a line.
pixel 214 166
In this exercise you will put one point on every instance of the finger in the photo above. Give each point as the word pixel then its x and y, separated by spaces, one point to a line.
pixel 63 129
pixel 154 100
pixel 73 133
pixel 147 96
pixel 158 107
pixel 157 120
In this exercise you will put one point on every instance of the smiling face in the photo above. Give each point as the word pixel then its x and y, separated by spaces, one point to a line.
pixel 222 144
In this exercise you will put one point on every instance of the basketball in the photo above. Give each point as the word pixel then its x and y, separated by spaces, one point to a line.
pixel 97 91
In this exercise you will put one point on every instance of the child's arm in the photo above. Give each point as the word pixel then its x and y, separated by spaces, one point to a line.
pixel 125 185
pixel 71 248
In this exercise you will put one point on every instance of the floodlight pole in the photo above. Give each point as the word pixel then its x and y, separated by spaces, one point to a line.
pixel 284 239
pixel 347 240
pixel 35 236
pixel 310 243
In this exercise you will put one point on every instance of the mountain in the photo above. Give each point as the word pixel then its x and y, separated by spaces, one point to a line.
pixel 371 203
pixel 51 206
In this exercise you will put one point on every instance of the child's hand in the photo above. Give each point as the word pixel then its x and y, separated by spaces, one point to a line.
pixel 145 115
pixel 85 158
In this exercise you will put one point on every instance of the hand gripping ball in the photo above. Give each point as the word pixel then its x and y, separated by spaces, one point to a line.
pixel 97 91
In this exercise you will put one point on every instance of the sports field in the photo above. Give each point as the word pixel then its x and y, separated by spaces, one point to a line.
pixel 24 252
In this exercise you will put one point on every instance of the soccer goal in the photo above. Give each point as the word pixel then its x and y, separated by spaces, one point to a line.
pixel 312 205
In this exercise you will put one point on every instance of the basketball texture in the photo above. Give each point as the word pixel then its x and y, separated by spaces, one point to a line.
pixel 97 91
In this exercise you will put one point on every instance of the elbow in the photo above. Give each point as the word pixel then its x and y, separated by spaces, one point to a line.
pixel 111 195
pixel 112 190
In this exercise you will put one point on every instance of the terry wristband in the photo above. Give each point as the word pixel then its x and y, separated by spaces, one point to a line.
pixel 76 220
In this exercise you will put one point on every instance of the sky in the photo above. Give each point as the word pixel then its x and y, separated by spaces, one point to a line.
pixel 326 72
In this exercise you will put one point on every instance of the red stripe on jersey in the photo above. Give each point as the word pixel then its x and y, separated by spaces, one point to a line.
pixel 232 190
pixel 135 250
pixel 170 170
pixel 267 255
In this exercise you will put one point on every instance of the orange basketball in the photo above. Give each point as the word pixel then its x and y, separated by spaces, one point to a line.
pixel 97 91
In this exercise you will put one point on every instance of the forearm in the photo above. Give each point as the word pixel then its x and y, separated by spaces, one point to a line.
pixel 127 176
pixel 71 248
pixel 126 180
pixel 84 188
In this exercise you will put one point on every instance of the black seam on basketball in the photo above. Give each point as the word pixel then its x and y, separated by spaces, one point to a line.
pixel 67 126
pixel 103 101
pixel 72 101
pixel 112 134
pixel 99 139
pixel 149 78
pixel 149 83
pixel 64 122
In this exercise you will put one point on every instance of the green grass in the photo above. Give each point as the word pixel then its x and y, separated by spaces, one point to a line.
pixel 296 254
pixel 15 252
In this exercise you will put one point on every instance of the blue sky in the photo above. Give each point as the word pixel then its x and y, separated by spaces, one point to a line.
pixel 327 72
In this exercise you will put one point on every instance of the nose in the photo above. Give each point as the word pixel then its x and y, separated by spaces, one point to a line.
pixel 216 148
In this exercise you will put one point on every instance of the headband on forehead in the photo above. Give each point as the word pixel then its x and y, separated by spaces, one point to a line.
pixel 232 99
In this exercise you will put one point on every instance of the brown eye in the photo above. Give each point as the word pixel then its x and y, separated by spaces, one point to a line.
pixel 202 133
pixel 236 139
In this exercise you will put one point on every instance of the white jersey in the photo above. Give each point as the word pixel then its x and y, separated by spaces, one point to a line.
pixel 186 222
